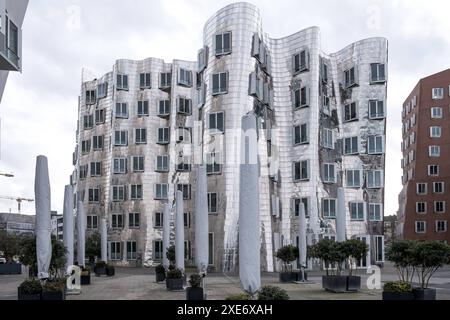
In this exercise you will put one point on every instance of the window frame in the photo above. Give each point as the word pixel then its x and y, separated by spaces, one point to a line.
pixel 161 196
pixel 302 140
pixel 123 83
pixel 210 198
pixel 222 51
pixel 358 205
pixel 373 216
pixel 163 129
pixel 326 173
pixel 132 222
pixel 374 173
pixel 162 168
pixel 138 133
pixel 377 115
pixel 378 79
pixel 360 178
pixel 145 80
pixel 221 89
pixel 143 108
pixel 301 170
pixel 328 215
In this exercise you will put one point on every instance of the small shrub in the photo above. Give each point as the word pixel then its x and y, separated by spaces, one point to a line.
pixel 53 286
pixel 174 274
pixel 272 293
pixel 397 287
pixel 31 286
pixel 160 269
pixel 195 280
pixel 241 296
pixel 170 254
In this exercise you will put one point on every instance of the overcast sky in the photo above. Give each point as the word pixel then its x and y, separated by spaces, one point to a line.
pixel 60 37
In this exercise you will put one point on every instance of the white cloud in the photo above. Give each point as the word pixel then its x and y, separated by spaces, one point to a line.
pixel 39 108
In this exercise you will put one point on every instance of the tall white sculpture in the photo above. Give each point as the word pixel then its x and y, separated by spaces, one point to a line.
pixel 201 221
pixel 104 238
pixel 302 239
pixel 179 231
pixel 166 235
pixel 80 234
pixel 249 220
pixel 341 217
pixel 68 224
pixel 43 217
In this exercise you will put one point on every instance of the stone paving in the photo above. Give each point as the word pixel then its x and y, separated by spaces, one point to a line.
pixel 139 284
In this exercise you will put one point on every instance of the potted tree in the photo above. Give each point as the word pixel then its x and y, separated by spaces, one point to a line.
pixel 174 280
pixel 401 253
pixel 93 247
pixel 110 270
pixel 30 289
pixel 332 255
pixel 428 257
pixel 195 291
pixel 85 277
pixel 397 290
pixel 54 290
pixel 354 250
pixel 160 272
pixel 100 268
pixel 287 255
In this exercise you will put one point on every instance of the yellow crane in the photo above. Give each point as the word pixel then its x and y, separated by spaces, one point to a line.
pixel 18 199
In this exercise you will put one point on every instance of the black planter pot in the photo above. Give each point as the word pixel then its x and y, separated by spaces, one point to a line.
pixel 100 271
pixel 11 268
pixel 398 295
pixel 160 277
pixel 424 294
pixel 110 271
pixel 194 293
pixel 174 284
pixel 286 277
pixel 334 283
pixel 53 295
pixel 85 280
pixel 353 283
pixel 28 297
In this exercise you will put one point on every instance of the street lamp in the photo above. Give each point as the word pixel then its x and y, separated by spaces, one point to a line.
pixel 8 175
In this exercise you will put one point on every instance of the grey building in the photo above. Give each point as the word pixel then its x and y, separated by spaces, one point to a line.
pixel 12 13
pixel 321 117
pixel 57 224
pixel 17 223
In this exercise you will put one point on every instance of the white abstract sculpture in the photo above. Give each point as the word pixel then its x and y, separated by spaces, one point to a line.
pixel 80 234
pixel 249 220
pixel 68 224
pixel 166 235
pixel 179 231
pixel 43 217
pixel 302 239
pixel 104 238
pixel 341 218
pixel 201 221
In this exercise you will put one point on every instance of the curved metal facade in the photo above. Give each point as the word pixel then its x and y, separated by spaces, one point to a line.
pixel 260 77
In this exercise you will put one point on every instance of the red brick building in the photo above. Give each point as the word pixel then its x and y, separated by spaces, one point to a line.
pixel 424 202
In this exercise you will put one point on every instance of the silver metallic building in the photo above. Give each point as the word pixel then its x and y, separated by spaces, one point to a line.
pixel 321 125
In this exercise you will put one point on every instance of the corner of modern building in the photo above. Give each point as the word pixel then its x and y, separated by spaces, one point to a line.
pixel 321 126
pixel 423 214
pixel 12 14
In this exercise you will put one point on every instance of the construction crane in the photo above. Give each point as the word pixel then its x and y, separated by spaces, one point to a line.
pixel 18 199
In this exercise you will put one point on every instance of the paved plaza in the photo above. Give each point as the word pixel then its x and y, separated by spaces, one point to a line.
pixel 139 284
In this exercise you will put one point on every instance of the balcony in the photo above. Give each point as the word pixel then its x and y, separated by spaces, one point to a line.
pixel 9 60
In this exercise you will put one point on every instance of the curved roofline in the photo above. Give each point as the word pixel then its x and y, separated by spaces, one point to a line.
pixel 360 42
pixel 234 4
pixel 295 33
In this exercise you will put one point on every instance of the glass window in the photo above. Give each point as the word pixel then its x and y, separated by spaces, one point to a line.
pixel 434 151
pixel 164 108
pixel 301 134
pixel 120 165
pixel 99 116
pixel 165 80
pixel 375 179
pixel 158 250
pixel 162 163
pixel 158 221
pixel 138 164
pixel 351 146
pixel 378 73
pixel 102 90
pixel 136 192
pixel 96 169
pixel 421 207
pixel 301 170
pixel 115 252
pixel 142 108
pixel 91 96
pixel 421 226
pixel 118 193
pixel 376 109
pixel 122 82
pixel 441 226
pixel 145 80
pixel 186 189
pixel 350 77
pixel 438 187
pixel 117 221
pixel 216 122
pixel 223 43
pixel 185 77
pixel 120 138
pixel 328 139
pixel 353 178
pixel 329 173
pixel 220 83
pixel 163 135
pixel 161 191
pixel 436 112
pixel 297 202
pixel 435 132
pixel 376 145
pixel 141 136
pixel 92 222
pixel 357 210
pixel 184 106
pixel 301 97
pixel 301 61
pixel 88 122
pixel 329 208
pixel 94 195
pixel 213 163
pixel 131 250
pixel 133 220
pixel 212 202
pixel 210 248
pixel 439 206
pixel 97 143
pixel 121 110
pixel 350 112
pixel 438 93
pixel 375 212
pixel 433 170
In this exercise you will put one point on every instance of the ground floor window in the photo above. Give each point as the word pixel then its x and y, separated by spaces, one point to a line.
pixel 115 251
pixel 131 250
pixel 379 248
pixel 211 248
pixel 157 250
